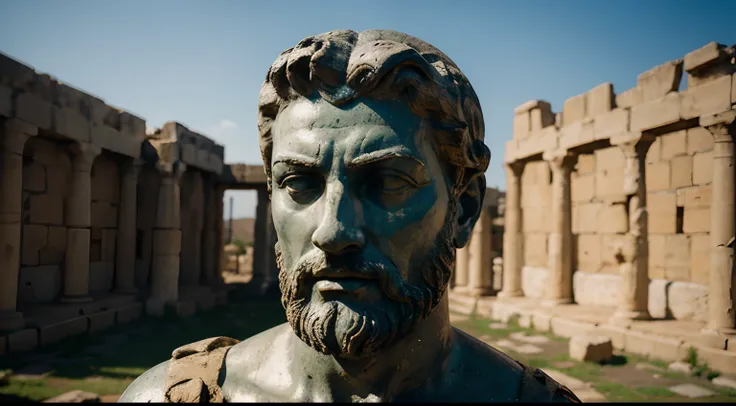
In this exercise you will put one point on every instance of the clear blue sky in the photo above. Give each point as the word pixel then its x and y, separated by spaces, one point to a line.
pixel 202 62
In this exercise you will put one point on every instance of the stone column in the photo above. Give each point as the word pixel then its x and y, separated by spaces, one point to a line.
pixel 480 265
pixel 462 255
pixel 513 238
pixel 722 287
pixel 191 227
pixel 263 245
pixel 127 228
pixel 219 234
pixel 15 133
pixel 209 248
pixel 559 282
pixel 78 219
pixel 166 241
pixel 633 254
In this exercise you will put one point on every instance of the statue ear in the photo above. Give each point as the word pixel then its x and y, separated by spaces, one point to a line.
pixel 470 204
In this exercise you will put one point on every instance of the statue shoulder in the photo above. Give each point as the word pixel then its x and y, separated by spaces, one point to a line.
pixel 148 387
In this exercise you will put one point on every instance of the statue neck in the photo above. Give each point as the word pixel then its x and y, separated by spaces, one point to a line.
pixel 409 363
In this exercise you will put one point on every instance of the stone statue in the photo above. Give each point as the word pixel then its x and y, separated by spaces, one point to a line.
pixel 373 147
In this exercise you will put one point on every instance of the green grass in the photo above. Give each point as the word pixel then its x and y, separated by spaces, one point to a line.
pixel 112 372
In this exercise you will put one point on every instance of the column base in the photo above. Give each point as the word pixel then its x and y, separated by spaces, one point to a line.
pixel 478 292
pixel 11 320
pixel 624 318
pixel 556 302
pixel 462 290
pixel 509 294
pixel 76 299
pixel 125 291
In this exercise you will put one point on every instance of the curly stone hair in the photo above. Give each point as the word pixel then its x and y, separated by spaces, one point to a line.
pixel 340 66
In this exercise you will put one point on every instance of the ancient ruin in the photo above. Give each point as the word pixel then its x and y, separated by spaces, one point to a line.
pixel 619 215
pixel 100 221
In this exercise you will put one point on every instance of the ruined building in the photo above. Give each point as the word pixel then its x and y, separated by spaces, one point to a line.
pixel 100 221
pixel 619 214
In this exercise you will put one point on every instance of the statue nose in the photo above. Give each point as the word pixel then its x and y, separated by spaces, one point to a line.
pixel 339 229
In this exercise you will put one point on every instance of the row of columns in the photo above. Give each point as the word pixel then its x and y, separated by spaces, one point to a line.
pixel 633 253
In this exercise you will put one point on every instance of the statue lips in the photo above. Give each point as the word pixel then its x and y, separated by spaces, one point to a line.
pixel 355 284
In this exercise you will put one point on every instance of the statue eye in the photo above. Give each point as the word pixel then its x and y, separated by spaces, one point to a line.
pixel 390 183
pixel 297 184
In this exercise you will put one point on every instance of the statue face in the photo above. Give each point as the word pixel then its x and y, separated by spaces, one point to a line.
pixel 361 206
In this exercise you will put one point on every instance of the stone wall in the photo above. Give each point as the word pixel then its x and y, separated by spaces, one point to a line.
pixel 670 129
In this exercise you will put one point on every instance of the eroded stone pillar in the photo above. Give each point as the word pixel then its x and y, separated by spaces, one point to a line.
pixel 127 226
pixel 209 248
pixel 513 239
pixel 480 263
pixel 264 261
pixel 633 253
pixel 462 255
pixel 78 219
pixel 559 280
pixel 166 241
pixel 219 234
pixel 191 227
pixel 15 133
pixel 722 294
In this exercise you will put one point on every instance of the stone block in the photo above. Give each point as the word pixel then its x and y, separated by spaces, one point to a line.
pixel 34 177
pixel 613 218
pixel 615 333
pixel 591 348
pixel 129 313
pixel 6 101
pixel 574 109
pixel 46 209
pixel 629 98
pixel 75 396
pixel 567 328
pixel 534 280
pixel 723 361
pixel 662 212
pixel 101 274
pixel 677 257
pixel 34 110
pixel 703 168
pixel 609 185
pixel 682 171
pixel 588 216
pixel 39 284
pixel 72 125
pixel 589 252
pixel 656 113
pixel 541 118
pixel 600 100
pixel 591 289
pixel 522 125
pixel 113 140
pixel 688 301
pixel 657 176
pixel 166 242
pixel 611 123
pixel 654 154
pixel 22 341
pixel 724 382
pixel 657 254
pixel 700 258
pixel 104 214
pixel 108 244
pixel 585 164
pixel 61 330
pixel 699 140
pixel 55 249
pixel 712 97
pixel 658 298
pixel 674 144
pixel 509 153
pixel 100 321
pixel 535 249
pixel 611 247
pixel 696 221
pixel 704 56
pixel 531 105
pixel 582 188
pixel 611 158
pixel 34 238
pixel 661 80
pixel 105 180
pixel 577 133
pixel 681 367
pixel 653 346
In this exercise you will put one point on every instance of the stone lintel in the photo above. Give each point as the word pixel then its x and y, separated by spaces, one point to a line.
pixel 18 125
pixel 631 138
pixel 531 105
pixel 559 157
pixel 172 169
pixel 710 53
pixel 725 118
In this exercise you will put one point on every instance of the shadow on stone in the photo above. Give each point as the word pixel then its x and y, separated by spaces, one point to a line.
pixel 616 360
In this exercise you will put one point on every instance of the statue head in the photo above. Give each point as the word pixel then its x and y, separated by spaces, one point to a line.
pixel 373 148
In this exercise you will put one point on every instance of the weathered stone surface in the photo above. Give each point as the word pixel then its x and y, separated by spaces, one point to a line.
pixel 75 396
pixel 582 188
pixel 116 141
pixel 679 366
pixel 662 212
pixel 703 56
pixel 658 298
pixel 703 168
pixel 72 125
pixel 589 252
pixel 167 242
pixel 677 257
pixel 577 133
pixel 574 109
pixel 22 341
pixel 40 284
pixel 698 140
pixel 629 98
pixel 613 218
pixel 688 301
pixel 34 110
pixel 610 123
pixel 522 125
pixel 59 331
pixel 658 176
pixel 661 80
pixel 712 97
pixel 652 345
pixel 696 220
pixel 533 281
pixel 674 144
pixel 682 171
pixel 656 113
pixel 691 390
pixel 595 289
pixel 725 382
pixel 591 348
pixel 600 100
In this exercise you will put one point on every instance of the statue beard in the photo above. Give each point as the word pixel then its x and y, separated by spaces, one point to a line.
pixel 335 328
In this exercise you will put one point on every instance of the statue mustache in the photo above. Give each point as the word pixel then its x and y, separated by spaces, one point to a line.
pixel 317 265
